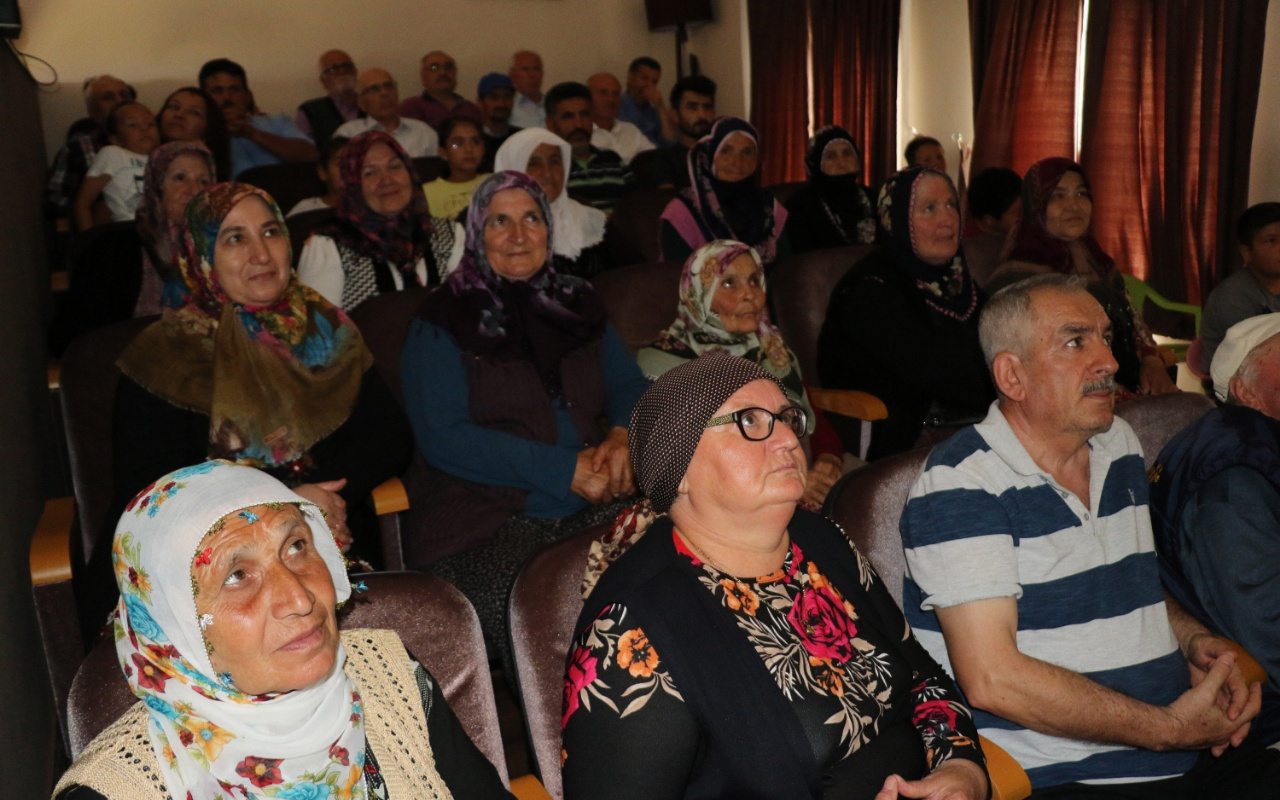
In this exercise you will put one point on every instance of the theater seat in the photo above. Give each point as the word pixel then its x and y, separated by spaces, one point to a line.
pixel 800 289
pixel 641 299
pixel 982 255
pixel 782 191
pixel 427 168
pixel 288 184
pixel 301 226
pixel 632 233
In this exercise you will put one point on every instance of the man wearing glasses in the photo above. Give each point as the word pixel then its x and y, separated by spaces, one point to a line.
pixel 319 117
pixel 379 99
pixel 439 99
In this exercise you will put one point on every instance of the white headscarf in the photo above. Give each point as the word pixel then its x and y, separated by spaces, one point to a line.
pixel 205 733
pixel 577 226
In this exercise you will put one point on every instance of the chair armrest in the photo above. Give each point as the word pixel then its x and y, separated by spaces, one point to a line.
pixel 390 497
pixel 51 544
pixel 1169 355
pixel 1009 780
pixel 527 787
pixel 1249 666
pixel 849 402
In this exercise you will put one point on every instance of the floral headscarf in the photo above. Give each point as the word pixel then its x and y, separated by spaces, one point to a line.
pixel 578 226
pixel 738 210
pixel 273 379
pixel 1032 241
pixel 843 197
pixel 948 289
pixel 541 319
pixel 162 237
pixel 210 739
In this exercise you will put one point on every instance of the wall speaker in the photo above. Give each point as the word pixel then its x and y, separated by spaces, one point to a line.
pixel 665 15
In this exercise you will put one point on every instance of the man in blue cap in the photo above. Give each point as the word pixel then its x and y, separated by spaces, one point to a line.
pixel 496 96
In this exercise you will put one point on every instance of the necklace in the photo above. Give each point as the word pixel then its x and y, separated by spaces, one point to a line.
pixel 810 618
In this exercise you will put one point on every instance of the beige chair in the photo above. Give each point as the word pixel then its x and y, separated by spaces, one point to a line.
pixel 641 299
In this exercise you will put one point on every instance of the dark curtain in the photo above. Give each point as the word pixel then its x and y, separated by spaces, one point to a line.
pixel 1025 110
pixel 1171 97
pixel 855 77
pixel 982 33
pixel 779 35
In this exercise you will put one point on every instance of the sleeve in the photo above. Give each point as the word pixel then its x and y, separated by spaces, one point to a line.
pixel 303 124
pixel 624 725
pixel 280 125
pixel 436 393
pixel 623 380
pixel 374 444
pixel 461 765
pixel 106 161
pixel 1226 306
pixel 320 267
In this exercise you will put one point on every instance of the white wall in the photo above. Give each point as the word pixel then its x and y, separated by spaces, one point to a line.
pixel 1264 171
pixel 159 45
pixel 935 83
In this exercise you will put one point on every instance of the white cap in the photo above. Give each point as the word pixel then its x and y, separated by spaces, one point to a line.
pixel 1240 340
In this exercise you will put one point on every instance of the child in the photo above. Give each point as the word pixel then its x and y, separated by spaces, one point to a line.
pixel 462 148
pixel 116 171
pixel 329 168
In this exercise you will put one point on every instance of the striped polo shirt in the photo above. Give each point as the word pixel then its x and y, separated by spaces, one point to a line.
pixel 983 520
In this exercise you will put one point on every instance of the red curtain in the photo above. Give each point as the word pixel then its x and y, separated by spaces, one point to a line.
pixel 1171 97
pixel 779 36
pixel 1026 105
pixel 855 77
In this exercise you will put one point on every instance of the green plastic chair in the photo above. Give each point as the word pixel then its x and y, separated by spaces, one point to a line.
pixel 1140 292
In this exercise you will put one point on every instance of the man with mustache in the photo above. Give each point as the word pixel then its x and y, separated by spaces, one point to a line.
pixel 380 101
pixel 693 99
pixel 319 117
pixel 439 99
pixel 597 177
pixel 257 139
pixel 1215 504
pixel 1032 577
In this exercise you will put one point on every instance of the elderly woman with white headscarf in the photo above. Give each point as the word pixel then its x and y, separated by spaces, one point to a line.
pixel 546 158
pixel 227 633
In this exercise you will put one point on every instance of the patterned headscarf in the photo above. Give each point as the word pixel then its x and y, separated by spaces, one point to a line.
pixel 738 210
pixel 210 739
pixel 948 289
pixel 400 239
pixel 162 237
pixel 1032 241
pixel 541 319
pixel 274 379
pixel 843 197
pixel 578 226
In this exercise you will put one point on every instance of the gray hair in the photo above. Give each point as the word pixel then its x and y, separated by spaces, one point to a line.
pixel 1250 368
pixel 1006 319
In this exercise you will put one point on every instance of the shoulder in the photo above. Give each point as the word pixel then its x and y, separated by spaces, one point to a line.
pixel 355 127
pixel 120 761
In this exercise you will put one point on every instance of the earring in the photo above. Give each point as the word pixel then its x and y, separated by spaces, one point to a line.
pixel 205 621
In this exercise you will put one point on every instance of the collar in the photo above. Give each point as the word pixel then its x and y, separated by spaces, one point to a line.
pixel 998 434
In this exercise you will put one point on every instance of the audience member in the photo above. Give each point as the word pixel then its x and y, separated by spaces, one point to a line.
pixel 132 270
pixel 320 117
pixel 833 209
pixel 1250 291
pixel 508 372
pixel 577 245
pixel 84 139
pixel 1053 236
pixel 463 147
pixel 725 200
pixel 256 368
pixel 723 307
pixel 526 77
pixel 596 177
pixel 902 324
pixel 257 139
pixel 189 114
pixel 607 131
pixel 496 94
pixel 642 104
pixel 693 100
pixel 116 171
pixel 329 170
pixel 380 101
pixel 1032 576
pixel 439 99
pixel 926 151
pixel 383 238
pixel 995 201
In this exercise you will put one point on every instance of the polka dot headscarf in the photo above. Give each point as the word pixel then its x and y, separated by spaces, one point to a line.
pixel 669 418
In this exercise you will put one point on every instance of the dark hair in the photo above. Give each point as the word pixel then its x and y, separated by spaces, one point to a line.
pixel 220 65
pixel 565 91
pixel 1254 219
pixel 644 61
pixel 332 146
pixel 993 190
pixel 113 116
pixel 694 84
pixel 915 144
pixel 447 127
pixel 215 136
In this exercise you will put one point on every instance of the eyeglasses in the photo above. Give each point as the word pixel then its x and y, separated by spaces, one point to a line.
pixel 446 65
pixel 345 66
pixel 388 86
pixel 756 424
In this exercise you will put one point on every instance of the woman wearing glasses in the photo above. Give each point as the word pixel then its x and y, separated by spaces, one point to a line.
pixel 742 647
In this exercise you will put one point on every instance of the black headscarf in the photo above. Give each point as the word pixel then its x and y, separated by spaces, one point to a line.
pixel 843 197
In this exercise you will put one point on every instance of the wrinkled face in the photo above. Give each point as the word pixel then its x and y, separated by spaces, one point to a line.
pixel 571 121
pixel 136 129
pixel 526 74
pixel 931 155
pixel 338 73
pixel 515 235
pixel 251 254
pixel 606 96
pixel 695 113
pixel 642 80
pixel 439 72
pixel 729 472
pixel 464 149
pixel 187 176
pixel 1069 369
pixel 104 95
pixel 385 181
pixel 935 220
pixel 736 158
pixel 378 95
pixel 1259 387
pixel 497 105
pixel 839 158
pixel 227 90
pixel 739 298
pixel 183 118
pixel 272 600
pixel 1069 209
pixel 546 166
pixel 1263 254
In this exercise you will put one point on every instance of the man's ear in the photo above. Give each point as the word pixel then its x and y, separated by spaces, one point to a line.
pixel 1009 376
pixel 1243 393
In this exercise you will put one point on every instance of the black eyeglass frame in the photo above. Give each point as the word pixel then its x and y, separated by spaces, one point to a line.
pixel 799 424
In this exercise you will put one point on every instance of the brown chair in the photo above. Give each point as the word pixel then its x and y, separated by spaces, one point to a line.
pixel 1155 419
pixel 782 191
pixel 641 299
pixel 631 235
pixel 288 184
pixel 645 166
pixel 301 226
pixel 427 168
pixel 982 255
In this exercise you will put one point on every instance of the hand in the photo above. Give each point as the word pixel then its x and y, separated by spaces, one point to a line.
pixel 588 483
pixel 1203 650
pixel 952 780
pixel 325 495
pixel 1154 378
pixel 614 459
pixel 1199 720
pixel 237 118
pixel 822 476
pixel 653 97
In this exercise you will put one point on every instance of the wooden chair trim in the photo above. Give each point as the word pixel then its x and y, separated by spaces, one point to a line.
pixel 527 787
pixel 51 545
pixel 848 402
pixel 1009 780
pixel 390 497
